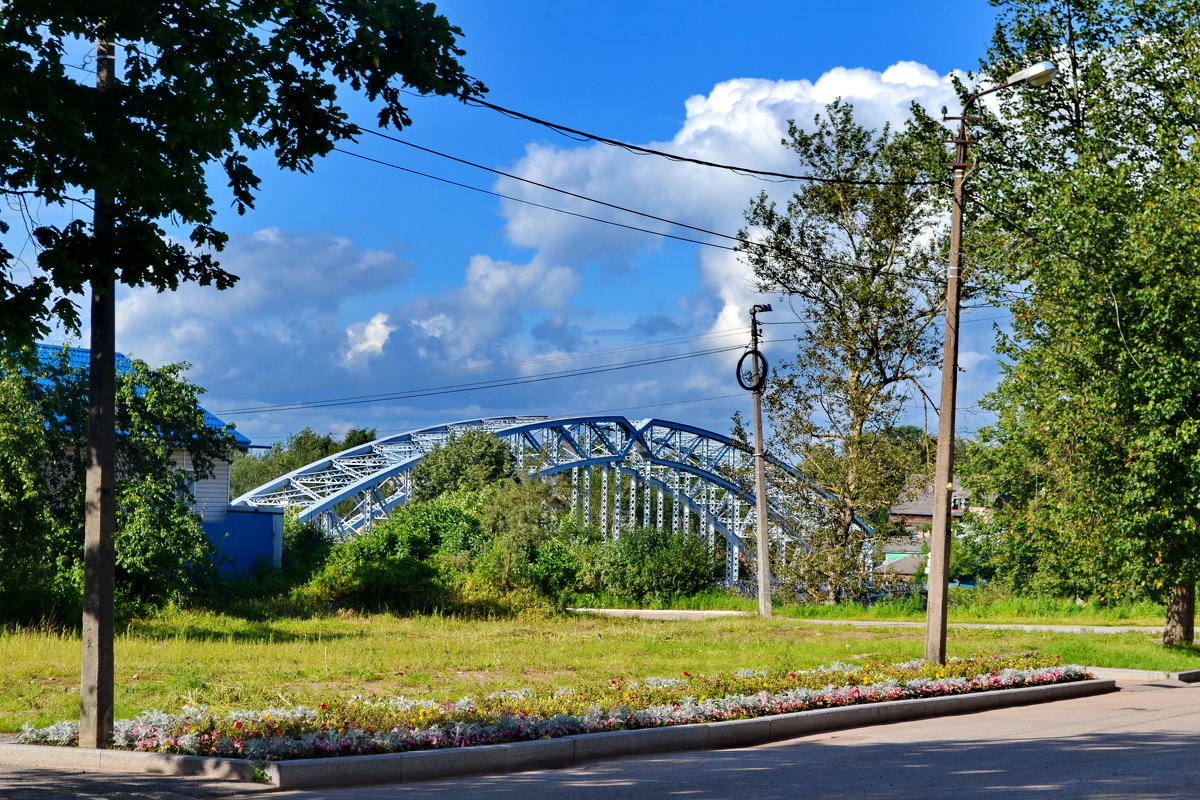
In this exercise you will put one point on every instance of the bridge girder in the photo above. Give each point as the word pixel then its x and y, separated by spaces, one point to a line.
pixel 703 472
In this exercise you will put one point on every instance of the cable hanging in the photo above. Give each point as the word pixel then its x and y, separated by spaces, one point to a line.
pixel 633 148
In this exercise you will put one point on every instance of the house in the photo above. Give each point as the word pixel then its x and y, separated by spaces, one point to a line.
pixel 905 556
pixel 916 513
pixel 242 536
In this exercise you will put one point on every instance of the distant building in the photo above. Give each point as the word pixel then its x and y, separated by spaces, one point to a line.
pixel 242 535
pixel 916 513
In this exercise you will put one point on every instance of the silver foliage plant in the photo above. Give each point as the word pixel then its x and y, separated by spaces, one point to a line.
pixel 148 730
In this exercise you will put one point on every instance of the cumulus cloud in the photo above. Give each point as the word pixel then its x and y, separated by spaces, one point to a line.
pixel 281 317
pixel 485 317
pixel 740 122
pixel 366 339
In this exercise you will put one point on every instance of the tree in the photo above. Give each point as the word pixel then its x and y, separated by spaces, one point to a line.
pixel 299 449
pixel 856 261
pixel 470 460
pixel 203 82
pixel 1090 191
pixel 161 549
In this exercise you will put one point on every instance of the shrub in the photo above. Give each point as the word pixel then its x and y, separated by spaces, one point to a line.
pixel 657 565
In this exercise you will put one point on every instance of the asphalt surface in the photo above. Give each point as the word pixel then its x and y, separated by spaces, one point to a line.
pixel 1140 742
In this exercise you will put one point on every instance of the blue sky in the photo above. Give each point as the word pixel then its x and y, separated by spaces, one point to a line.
pixel 362 280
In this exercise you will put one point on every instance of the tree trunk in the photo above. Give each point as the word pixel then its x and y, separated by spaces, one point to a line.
pixel 1181 615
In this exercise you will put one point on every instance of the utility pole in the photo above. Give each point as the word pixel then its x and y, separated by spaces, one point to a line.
pixel 96 682
pixel 758 379
pixel 943 477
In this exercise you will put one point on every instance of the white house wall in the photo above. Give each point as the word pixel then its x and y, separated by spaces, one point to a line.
pixel 212 493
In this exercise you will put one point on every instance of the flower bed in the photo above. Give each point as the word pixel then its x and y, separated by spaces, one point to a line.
pixel 364 725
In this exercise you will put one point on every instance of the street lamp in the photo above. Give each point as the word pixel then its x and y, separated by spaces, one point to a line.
pixel 943 478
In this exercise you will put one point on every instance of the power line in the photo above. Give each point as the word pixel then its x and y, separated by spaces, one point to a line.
pixel 503 365
pixel 431 151
pixel 746 242
pixel 633 148
pixel 537 205
pixel 468 387
pixel 620 410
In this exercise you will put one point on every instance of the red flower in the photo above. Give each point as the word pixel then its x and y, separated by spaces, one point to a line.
pixel 238 724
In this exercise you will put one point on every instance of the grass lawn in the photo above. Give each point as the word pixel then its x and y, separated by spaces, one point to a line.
pixel 189 658
pixel 966 605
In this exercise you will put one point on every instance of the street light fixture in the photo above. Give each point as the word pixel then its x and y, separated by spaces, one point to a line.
pixel 943 478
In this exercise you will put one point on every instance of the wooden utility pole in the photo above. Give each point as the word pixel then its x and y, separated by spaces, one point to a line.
pixel 943 476
pixel 96 683
pixel 758 379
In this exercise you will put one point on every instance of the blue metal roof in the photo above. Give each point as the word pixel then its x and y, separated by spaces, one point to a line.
pixel 79 358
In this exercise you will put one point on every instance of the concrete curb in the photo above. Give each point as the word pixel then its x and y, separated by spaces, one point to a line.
pixel 566 751
pixel 84 759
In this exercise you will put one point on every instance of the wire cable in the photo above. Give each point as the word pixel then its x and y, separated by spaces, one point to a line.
pixel 741 241
pixel 537 205
pixel 502 365
pixel 633 148
pixel 469 387
pixel 431 151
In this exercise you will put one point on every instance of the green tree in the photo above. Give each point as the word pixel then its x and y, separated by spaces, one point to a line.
pixel 252 470
pixel 1087 196
pixel 856 260
pixel 165 444
pixel 470 460
pixel 202 83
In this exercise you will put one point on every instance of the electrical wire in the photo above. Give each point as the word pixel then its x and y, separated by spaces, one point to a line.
pixel 502 365
pixel 748 171
pixel 468 387
pixel 746 242
pixel 531 203
pixel 440 154
pixel 620 410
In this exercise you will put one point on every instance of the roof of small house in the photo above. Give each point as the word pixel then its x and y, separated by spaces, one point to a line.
pixel 920 504
pixel 79 357
pixel 904 544
pixel 908 565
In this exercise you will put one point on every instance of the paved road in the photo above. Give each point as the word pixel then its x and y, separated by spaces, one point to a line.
pixel 1141 742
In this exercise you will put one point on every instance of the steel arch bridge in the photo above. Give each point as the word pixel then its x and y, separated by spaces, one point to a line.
pixel 623 473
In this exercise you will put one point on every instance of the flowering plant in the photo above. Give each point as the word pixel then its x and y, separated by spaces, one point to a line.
pixel 363 725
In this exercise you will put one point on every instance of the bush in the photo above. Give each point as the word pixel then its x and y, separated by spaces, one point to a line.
pixel 389 567
pixel 656 565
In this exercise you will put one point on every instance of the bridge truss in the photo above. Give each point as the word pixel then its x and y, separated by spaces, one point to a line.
pixel 623 473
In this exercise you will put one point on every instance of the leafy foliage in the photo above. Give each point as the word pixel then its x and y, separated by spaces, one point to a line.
pixel 657 565
pixel 203 83
pixel 858 264
pixel 161 550
pixel 1093 459
pixel 252 470
pixel 471 460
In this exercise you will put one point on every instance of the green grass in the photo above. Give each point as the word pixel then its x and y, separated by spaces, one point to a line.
pixel 179 658
pixel 990 605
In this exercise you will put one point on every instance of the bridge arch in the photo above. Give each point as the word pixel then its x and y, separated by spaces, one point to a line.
pixel 630 470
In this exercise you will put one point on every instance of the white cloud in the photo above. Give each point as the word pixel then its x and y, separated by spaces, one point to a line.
pixel 486 317
pixel 366 339
pixel 741 122
pixel 277 326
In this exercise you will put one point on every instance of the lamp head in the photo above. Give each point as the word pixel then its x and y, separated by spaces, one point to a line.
pixel 761 308
pixel 1037 75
